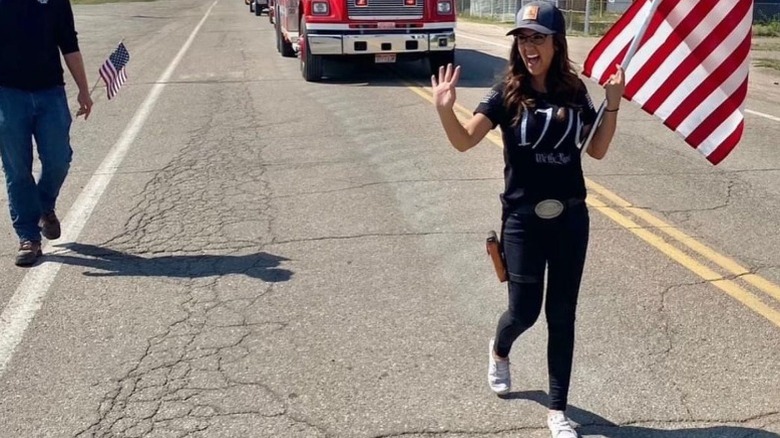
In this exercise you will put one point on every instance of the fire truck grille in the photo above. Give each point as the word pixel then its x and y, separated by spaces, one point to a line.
pixel 385 8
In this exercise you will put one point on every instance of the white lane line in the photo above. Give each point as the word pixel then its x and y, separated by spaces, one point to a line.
pixel 756 113
pixel 31 292
pixel 506 46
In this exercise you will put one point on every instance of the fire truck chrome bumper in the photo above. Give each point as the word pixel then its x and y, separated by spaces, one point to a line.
pixel 372 44
pixel 442 42
pixel 325 44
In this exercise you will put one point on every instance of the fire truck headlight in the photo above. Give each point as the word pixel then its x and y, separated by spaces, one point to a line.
pixel 444 7
pixel 320 8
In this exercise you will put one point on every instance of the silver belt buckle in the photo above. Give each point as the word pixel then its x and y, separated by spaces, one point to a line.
pixel 549 208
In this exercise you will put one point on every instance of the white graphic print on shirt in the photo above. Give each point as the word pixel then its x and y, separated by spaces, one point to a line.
pixel 553 133
pixel 547 139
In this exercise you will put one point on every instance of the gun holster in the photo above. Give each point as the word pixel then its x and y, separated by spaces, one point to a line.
pixel 496 253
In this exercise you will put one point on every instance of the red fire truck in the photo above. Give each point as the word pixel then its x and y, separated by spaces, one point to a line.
pixel 384 31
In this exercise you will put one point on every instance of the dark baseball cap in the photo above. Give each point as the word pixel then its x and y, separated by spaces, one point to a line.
pixel 540 16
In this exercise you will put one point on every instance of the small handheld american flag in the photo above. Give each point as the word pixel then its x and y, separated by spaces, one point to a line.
pixel 113 70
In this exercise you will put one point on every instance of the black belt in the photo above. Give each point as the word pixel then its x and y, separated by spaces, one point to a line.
pixel 547 208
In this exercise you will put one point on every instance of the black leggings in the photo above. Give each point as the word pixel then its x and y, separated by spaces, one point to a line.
pixel 530 243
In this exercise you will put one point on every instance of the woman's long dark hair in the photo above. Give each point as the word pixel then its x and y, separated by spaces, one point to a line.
pixel 562 81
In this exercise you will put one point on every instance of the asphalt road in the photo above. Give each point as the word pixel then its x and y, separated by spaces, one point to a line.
pixel 249 255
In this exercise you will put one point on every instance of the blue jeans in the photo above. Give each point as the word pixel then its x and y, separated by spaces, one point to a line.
pixel 43 115
pixel 532 244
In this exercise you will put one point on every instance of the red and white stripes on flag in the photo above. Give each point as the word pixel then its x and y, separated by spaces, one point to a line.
pixel 690 69
pixel 113 70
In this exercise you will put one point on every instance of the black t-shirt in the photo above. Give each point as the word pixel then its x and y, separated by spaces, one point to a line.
pixel 542 154
pixel 32 34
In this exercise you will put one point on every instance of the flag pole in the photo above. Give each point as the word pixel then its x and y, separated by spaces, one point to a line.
pixel 97 81
pixel 624 65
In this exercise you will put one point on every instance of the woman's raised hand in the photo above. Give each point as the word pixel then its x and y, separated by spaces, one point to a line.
pixel 444 87
pixel 615 86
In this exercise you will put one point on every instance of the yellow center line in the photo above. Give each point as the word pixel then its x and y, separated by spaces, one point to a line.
pixel 644 233
pixel 710 254
pixel 728 286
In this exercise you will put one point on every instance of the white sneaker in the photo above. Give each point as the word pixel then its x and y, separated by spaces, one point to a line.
pixel 560 426
pixel 498 373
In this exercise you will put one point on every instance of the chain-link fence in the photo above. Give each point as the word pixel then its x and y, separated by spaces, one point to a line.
pixel 766 11
pixel 591 16
pixel 581 15
pixel 586 16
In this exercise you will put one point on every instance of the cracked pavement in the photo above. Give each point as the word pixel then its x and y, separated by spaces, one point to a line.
pixel 283 259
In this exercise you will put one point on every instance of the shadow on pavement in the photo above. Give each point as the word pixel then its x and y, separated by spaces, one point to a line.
pixel 480 70
pixel 262 265
pixel 593 424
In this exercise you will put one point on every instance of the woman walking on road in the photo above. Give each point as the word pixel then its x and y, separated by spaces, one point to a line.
pixel 545 114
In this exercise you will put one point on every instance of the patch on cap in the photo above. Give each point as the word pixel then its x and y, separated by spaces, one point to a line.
pixel 531 12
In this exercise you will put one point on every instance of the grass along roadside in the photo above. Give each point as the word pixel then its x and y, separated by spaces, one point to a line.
pixel 769 29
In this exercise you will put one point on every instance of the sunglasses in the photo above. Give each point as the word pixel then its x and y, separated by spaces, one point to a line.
pixel 536 39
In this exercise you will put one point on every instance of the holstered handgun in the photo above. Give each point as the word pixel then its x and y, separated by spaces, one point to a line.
pixel 493 247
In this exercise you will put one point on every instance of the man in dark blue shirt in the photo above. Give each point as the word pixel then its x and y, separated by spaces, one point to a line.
pixel 33 105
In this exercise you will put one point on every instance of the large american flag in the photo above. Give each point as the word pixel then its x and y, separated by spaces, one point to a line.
pixel 113 70
pixel 690 69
